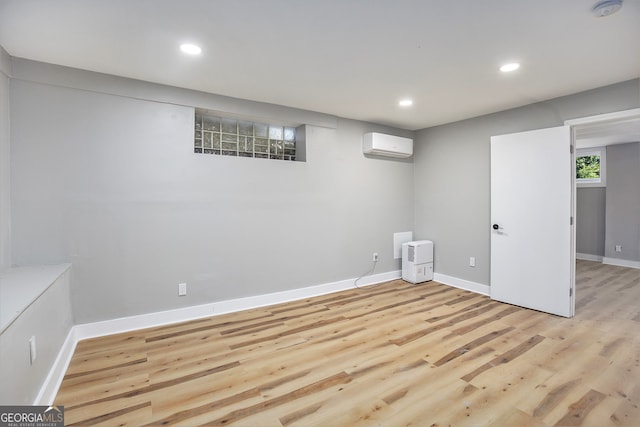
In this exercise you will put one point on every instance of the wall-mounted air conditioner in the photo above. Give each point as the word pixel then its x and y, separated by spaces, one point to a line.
pixel 380 144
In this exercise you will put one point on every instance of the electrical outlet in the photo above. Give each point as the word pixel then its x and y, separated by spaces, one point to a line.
pixel 182 289
pixel 32 349
pixel 375 257
pixel 472 261
pixel 618 248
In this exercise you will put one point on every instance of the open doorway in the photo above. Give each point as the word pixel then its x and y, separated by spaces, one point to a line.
pixel 607 205
pixel 521 231
pixel 608 208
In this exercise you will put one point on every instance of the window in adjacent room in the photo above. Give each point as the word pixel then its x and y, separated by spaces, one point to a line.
pixel 234 137
pixel 591 167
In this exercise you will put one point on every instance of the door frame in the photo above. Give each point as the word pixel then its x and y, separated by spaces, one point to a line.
pixel 575 124
pixel 616 116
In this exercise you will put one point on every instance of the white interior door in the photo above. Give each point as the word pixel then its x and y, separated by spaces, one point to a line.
pixel 532 249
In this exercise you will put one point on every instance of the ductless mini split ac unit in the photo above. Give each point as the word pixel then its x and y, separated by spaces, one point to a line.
pixel 380 144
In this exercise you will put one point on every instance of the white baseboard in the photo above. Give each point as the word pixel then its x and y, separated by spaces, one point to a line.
pixel 589 257
pixel 621 262
pixel 149 320
pixel 462 284
pixel 53 381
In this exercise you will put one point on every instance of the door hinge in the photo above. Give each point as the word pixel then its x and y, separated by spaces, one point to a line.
pixel 570 292
pixel 570 220
pixel 571 149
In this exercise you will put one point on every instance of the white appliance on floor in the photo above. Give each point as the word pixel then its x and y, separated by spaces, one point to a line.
pixel 417 261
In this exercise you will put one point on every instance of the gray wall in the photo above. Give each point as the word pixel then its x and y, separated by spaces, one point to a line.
pixel 110 183
pixel 103 176
pixel 5 185
pixel 623 201
pixel 590 220
pixel 452 173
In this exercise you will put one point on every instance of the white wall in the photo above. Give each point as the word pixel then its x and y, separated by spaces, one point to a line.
pixel 110 183
pixel 5 180
pixel 452 173
pixel 48 318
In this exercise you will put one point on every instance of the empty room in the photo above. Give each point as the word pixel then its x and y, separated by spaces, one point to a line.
pixel 320 213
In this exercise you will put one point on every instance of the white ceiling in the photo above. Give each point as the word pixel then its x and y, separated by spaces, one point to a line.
pixel 350 58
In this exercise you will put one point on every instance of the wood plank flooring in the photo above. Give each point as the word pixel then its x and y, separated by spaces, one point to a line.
pixel 395 354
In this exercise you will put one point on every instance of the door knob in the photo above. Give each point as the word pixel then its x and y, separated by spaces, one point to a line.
pixel 496 227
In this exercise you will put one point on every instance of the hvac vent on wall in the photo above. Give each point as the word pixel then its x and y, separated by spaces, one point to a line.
pixel 379 144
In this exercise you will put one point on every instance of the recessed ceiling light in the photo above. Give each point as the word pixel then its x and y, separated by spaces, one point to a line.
pixel 506 68
pixel 191 49
pixel 405 103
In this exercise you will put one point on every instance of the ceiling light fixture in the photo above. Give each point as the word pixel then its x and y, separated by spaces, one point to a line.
pixel 606 7
pixel 507 68
pixel 191 49
pixel 405 103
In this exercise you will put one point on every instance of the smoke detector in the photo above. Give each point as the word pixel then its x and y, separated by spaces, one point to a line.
pixel 606 7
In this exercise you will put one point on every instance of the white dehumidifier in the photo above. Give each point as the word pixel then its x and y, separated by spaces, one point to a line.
pixel 417 261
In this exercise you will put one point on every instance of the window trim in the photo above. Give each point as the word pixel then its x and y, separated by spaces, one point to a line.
pixel 594 182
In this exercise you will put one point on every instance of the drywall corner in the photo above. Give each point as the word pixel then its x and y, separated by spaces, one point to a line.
pixel 5 162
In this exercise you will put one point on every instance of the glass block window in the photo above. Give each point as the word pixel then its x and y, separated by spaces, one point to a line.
pixel 232 137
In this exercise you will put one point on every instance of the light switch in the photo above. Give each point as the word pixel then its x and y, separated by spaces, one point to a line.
pixel 32 349
pixel 182 289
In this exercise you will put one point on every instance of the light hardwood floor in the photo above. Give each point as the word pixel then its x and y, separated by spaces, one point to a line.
pixel 391 355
